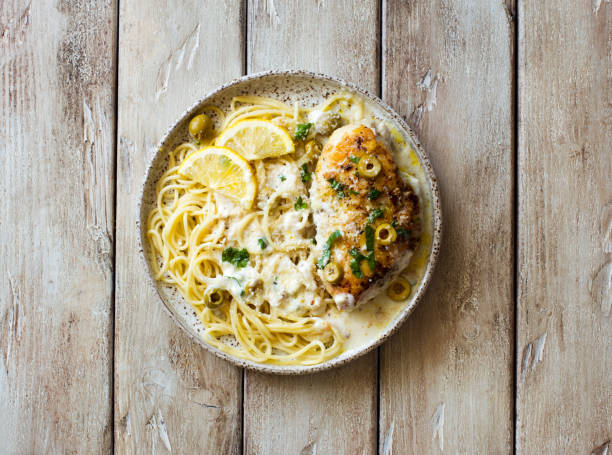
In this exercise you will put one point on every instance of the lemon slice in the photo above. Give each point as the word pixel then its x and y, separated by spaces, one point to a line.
pixel 224 171
pixel 257 139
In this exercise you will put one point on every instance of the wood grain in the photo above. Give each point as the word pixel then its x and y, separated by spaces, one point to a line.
pixel 57 73
pixel 565 228
pixel 171 395
pixel 446 380
pixel 335 411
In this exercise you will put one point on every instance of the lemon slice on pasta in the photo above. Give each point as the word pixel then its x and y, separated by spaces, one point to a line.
pixel 257 139
pixel 223 170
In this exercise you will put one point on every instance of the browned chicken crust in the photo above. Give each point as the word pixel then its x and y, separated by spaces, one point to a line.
pixel 348 202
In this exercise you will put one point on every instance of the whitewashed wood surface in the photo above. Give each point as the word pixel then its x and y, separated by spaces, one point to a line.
pixel 510 351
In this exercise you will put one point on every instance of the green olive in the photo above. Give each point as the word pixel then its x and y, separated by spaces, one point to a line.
pixel 214 298
pixel 200 126
pixel 328 122
pixel 385 234
pixel 332 272
pixel 399 290
pixel 369 166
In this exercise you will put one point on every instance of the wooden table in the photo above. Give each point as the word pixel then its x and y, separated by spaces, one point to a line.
pixel 511 349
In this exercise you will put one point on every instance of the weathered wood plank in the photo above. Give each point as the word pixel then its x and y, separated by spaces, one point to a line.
pixel 335 411
pixel 446 379
pixel 564 401
pixel 57 73
pixel 170 393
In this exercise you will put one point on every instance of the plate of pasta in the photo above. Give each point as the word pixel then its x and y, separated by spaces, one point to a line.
pixel 290 221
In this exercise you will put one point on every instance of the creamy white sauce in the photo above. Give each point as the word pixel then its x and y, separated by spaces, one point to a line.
pixel 294 287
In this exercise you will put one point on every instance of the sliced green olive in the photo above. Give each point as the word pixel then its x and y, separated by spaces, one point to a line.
pixel 328 122
pixel 200 126
pixel 332 272
pixel 369 166
pixel 399 290
pixel 214 298
pixel 385 234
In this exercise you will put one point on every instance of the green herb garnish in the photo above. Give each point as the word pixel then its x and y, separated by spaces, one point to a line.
pixel 356 254
pixel 356 268
pixel 238 258
pixel 262 243
pixel 354 159
pixel 340 189
pixel 306 176
pixel 369 237
pixel 301 131
pixel 355 264
pixel 373 194
pixel 283 178
pixel 242 293
pixel 300 204
pixel 376 213
pixel 371 261
pixel 324 259
pixel 369 230
pixel 337 187
pixel 401 232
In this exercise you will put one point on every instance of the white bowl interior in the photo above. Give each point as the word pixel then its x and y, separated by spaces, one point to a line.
pixel 308 89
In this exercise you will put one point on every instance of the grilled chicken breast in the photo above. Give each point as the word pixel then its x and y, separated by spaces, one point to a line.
pixel 367 225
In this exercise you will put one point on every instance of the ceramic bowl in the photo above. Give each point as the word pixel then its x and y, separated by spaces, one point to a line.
pixel 308 89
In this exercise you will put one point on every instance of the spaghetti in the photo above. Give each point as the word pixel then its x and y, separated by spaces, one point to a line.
pixel 274 308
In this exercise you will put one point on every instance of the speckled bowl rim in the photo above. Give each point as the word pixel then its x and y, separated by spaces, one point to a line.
pixel 398 320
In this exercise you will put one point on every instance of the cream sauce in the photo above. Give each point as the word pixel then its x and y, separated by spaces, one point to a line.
pixel 293 287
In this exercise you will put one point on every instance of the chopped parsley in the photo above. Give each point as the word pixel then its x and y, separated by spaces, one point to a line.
pixel 300 204
pixel 371 261
pixel 355 264
pixel 283 178
pixel 262 243
pixel 356 268
pixel 369 237
pixel 324 259
pixel 242 293
pixel 401 232
pixel 354 159
pixel 238 258
pixel 337 187
pixel 373 194
pixel 355 253
pixel 340 189
pixel 376 213
pixel 235 279
pixel 301 131
pixel 369 230
pixel 306 176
